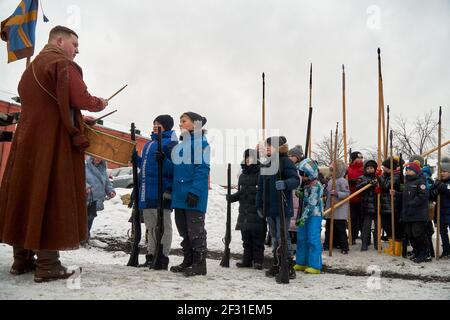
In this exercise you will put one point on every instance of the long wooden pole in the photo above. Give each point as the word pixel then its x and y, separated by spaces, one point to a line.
pixel 117 92
pixel 347 199
pixel 392 189
pixel 344 133
pixel 333 188
pixel 387 133
pixel 435 149
pixel 380 123
pixel 264 107
pixel 438 203
pixel 310 106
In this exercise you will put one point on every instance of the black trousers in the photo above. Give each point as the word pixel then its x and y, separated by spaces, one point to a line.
pixel 253 243
pixel 191 227
pixel 355 214
pixel 416 233
pixel 339 234
pixel 386 224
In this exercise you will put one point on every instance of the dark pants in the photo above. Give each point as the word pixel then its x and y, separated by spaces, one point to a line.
pixel 253 243
pixel 386 224
pixel 444 237
pixel 92 213
pixel 355 214
pixel 339 234
pixel 367 231
pixel 191 227
pixel 416 233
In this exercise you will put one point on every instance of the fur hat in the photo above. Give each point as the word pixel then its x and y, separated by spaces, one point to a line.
pixel 297 151
pixel 445 164
pixel 387 163
pixel 165 120
pixel 418 158
pixel 413 166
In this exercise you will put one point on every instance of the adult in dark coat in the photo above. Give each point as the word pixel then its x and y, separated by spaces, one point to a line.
pixel 43 192
pixel 251 225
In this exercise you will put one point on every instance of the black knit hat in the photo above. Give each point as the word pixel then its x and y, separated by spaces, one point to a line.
pixel 165 120
pixel 195 117
pixel 251 153
pixel 354 155
pixel 370 163
pixel 387 163
pixel 281 140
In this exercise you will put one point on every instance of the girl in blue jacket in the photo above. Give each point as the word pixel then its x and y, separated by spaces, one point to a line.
pixel 190 193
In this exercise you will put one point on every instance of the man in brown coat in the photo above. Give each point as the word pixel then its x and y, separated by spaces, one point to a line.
pixel 43 196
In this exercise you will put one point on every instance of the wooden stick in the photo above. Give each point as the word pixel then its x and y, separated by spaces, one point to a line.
pixel 104 116
pixel 380 124
pixel 438 202
pixel 435 149
pixel 344 133
pixel 387 133
pixel 117 92
pixel 392 189
pixel 264 107
pixel 333 188
pixel 347 199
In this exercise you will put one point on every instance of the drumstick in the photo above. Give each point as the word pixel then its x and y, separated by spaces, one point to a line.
pixel 104 116
pixel 117 92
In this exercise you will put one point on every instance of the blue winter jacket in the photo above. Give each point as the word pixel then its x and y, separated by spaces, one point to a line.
pixel 290 176
pixel 97 179
pixel 191 159
pixel 148 175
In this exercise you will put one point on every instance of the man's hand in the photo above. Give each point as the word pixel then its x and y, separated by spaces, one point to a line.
pixel 90 121
pixel 333 193
pixel 104 102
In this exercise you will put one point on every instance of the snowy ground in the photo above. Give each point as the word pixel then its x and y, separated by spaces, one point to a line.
pixel 105 275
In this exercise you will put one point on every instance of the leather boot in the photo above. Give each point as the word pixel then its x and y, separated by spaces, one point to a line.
pixel 198 265
pixel 275 268
pixel 49 268
pixel 246 260
pixel 24 261
pixel 148 262
pixel 187 262
pixel 162 263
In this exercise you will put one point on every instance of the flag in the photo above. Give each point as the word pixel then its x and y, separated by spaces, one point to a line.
pixel 19 30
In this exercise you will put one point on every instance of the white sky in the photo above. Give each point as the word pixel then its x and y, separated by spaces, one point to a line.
pixel 207 56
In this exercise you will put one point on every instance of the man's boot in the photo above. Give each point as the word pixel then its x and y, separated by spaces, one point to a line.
pixel 187 262
pixel 24 261
pixel 198 265
pixel 275 268
pixel 246 259
pixel 162 263
pixel 148 262
pixel 49 268
pixel 292 273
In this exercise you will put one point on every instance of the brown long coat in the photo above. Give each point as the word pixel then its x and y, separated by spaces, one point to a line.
pixel 42 196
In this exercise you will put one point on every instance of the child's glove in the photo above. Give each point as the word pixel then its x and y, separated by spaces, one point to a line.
pixel 300 222
pixel 280 185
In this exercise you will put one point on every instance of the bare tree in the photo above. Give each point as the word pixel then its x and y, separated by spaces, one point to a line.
pixel 322 151
pixel 417 137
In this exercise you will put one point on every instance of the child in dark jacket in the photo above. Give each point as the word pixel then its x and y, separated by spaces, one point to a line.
pixel 268 200
pixel 415 211
pixel 385 201
pixel 442 187
pixel 191 160
pixel 368 204
pixel 252 226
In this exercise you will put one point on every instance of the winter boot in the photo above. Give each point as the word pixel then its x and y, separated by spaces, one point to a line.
pixel 198 265
pixel 445 254
pixel 390 249
pixel 274 269
pixel 423 256
pixel 24 261
pixel 312 270
pixel 246 260
pixel 187 262
pixel 49 268
pixel 292 274
pixel 430 246
pixel 162 263
pixel 148 262
pixel 299 267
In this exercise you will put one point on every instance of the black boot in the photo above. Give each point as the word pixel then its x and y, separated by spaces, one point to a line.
pixel 198 265
pixel 292 274
pixel 246 260
pixel 148 262
pixel 187 262
pixel 162 263
pixel 274 269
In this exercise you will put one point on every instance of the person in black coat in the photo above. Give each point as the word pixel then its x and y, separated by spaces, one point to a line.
pixel 251 225
pixel 415 211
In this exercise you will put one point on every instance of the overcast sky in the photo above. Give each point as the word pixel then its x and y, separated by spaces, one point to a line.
pixel 207 56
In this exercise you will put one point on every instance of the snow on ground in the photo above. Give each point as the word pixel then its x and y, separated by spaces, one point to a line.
pixel 105 275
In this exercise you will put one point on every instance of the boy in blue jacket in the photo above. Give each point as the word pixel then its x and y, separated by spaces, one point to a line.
pixel 191 160
pixel 148 189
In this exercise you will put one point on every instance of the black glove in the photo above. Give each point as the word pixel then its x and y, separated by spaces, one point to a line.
pixel 6 136
pixel 160 156
pixel 228 197
pixel 374 182
pixel 192 200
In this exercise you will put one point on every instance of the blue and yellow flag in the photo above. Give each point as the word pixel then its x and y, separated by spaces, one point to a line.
pixel 19 30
